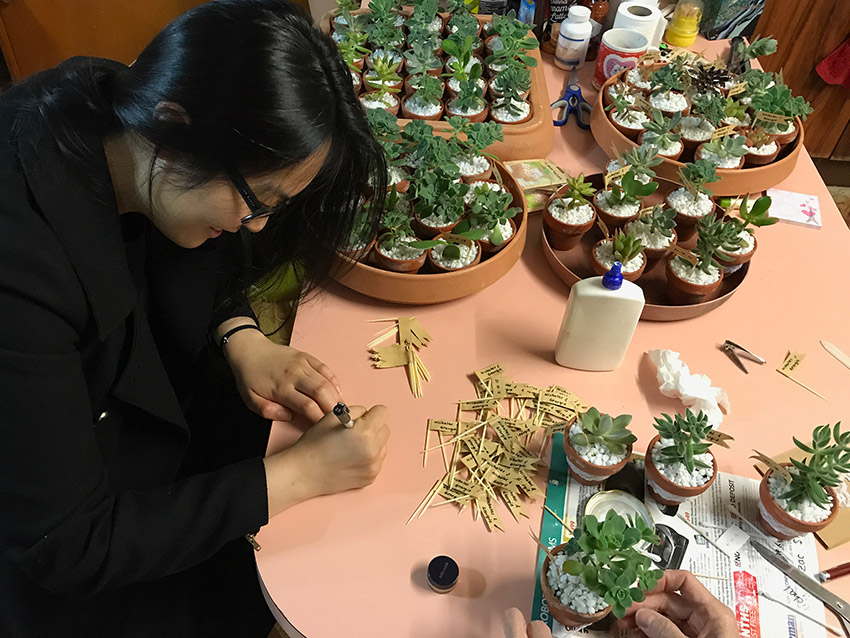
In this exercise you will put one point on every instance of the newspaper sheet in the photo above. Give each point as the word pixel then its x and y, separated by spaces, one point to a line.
pixel 735 576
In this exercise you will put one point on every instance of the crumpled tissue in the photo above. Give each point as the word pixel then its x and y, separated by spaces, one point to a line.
pixel 695 390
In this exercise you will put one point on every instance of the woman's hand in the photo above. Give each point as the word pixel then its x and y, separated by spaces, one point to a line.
pixel 328 458
pixel 275 381
pixel 693 611
pixel 517 627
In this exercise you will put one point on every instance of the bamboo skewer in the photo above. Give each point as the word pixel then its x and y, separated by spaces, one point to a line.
pixel 541 545
pixel 830 628
pixel 558 518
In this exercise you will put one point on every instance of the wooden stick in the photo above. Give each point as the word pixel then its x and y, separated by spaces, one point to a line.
pixel 457 437
pixel 802 385
pixel 427 504
pixel 558 518
pixel 830 628
pixel 443 452
pixel 380 320
pixel 465 497
pixel 701 533
pixel 425 451
pixel 541 545
pixel 427 496
pixel 384 335
pixel 455 451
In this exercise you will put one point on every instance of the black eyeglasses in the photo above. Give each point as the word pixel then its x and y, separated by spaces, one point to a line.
pixel 258 210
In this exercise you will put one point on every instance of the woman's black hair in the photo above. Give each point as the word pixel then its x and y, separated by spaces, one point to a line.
pixel 263 90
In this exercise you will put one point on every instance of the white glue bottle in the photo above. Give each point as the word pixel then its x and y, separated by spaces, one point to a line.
pixel 573 38
pixel 599 321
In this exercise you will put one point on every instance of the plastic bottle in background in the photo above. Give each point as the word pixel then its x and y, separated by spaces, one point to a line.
pixel 526 11
pixel 499 7
pixel 573 38
pixel 599 321
pixel 598 14
pixel 684 25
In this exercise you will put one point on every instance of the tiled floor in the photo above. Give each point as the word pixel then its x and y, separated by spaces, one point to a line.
pixel 841 195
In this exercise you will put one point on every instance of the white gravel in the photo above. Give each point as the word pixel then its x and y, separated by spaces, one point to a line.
pixel 595 453
pixel 571 590
pixel 696 128
pixel 371 101
pixel 673 149
pixel 452 108
pixel 454 84
pixel 726 162
pixel 694 275
pixel 648 238
pixel 604 252
pixel 631 119
pixel 396 174
pixel 472 166
pixel 495 44
pixel 504 115
pixel 623 209
pixel 743 250
pixel 401 251
pixel 389 54
pixel 467 256
pixel 778 129
pixel 433 221
pixel 614 165
pixel 682 200
pixel 620 89
pixel 436 25
pixel 577 216
pixel 668 101
pixel 418 106
pixel 506 230
pixel 472 62
pixel 356 80
pixel 806 511
pixel 734 121
pixel 767 149
pixel 635 79
pixel 677 472
pixel 477 186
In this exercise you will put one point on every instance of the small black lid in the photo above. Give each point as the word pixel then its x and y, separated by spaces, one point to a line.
pixel 443 572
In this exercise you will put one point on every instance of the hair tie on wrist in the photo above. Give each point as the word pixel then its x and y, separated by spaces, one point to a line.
pixel 245 326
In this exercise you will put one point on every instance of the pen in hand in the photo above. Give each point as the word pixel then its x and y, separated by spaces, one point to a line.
pixel 341 412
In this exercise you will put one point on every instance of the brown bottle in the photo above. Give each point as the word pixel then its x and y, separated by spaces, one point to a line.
pixel 598 12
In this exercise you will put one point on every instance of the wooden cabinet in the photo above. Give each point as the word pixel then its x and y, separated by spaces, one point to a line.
pixel 807 31
pixel 38 34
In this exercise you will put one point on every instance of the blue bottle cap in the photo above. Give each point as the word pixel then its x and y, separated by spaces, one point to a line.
pixel 613 279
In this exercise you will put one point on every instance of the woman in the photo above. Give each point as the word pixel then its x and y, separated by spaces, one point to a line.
pixel 130 470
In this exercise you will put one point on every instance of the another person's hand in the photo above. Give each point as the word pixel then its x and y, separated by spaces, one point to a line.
pixel 693 611
pixel 516 626
pixel 329 458
pixel 275 381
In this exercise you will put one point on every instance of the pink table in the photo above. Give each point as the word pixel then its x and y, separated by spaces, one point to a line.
pixel 347 564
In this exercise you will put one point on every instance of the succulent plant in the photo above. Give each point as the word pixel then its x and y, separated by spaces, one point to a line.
pixel 578 192
pixel 630 190
pixel 626 246
pixel 695 175
pixel 427 88
pixel 758 137
pixel 758 47
pixel 730 146
pixel 439 195
pixel 396 220
pixel 384 75
pixel 421 58
pixel 659 130
pixel 613 433
pixel 733 108
pixel 669 77
pixel 661 221
pixel 516 42
pixel 713 237
pixel 489 210
pixel 345 5
pixel 829 460
pixel 755 216
pixel 711 107
pixel 688 435
pixel 608 561
pixel 642 159
pixel 708 79
pixel 757 82
pixel 462 54
pixel 779 100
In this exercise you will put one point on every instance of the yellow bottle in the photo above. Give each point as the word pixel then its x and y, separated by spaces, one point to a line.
pixel 684 25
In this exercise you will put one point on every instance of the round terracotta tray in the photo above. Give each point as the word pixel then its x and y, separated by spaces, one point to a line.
pixel 731 182
pixel 429 288
pixel 571 266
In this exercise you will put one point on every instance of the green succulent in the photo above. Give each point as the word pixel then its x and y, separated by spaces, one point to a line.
pixel 439 194
pixel 452 249
pixel 667 78
pixel 421 58
pixel 695 175
pixel 779 100
pixel 516 42
pixel 621 105
pixel 661 221
pixel 829 461
pixel 757 82
pixel 707 79
pixel 757 48
pixel 458 8
pixel 428 88
pixel 688 434
pixel 343 6
pixel 626 246
pixel 489 210
pixel 464 24
pixel 612 433
pixel 711 107
pixel 730 146
pixel 659 130
pixel 384 75
pixel 351 51
pixel 396 222
pixel 515 77
pixel 630 190
pixel 735 109
pixel 462 54
pixel 713 237
pixel 424 12
pixel 579 192
pixel 642 159
pixel 606 556
pixel 470 97
pixel 385 129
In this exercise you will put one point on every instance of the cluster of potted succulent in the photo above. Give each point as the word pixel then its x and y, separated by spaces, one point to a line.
pixel 644 236
pixel 804 500
pixel 427 65
pixel 602 569
pixel 446 205
pixel 690 109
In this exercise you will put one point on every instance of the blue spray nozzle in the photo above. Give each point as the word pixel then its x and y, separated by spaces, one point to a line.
pixel 613 279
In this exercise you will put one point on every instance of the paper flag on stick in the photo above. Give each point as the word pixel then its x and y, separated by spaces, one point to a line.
pixel 790 364
pixel 412 337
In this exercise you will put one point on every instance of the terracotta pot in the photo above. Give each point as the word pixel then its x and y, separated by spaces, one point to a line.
pixel 654 255
pixel 564 236
pixel 357 83
pixel 686 225
pixel 784 526
pixel 389 109
pixel 690 144
pixel 613 222
pixel 737 260
pixel 600 269
pixel 560 612
pixel 683 292
pixel 436 267
pixel 452 93
pixel 478 117
pixel 360 63
pixel 371 88
pixel 673 493
pixel 754 159
pixel 400 187
pixel 623 77
pixel 488 248
pixel 435 72
pixel 410 115
pixel 665 154
pixel 507 122
pixel 361 254
pixel 409 90
pixel 397 265
pixel 786 138
pixel 588 473
pixel 484 176
pixel 424 231
pixel 685 111
pixel 631 133
pixel 698 155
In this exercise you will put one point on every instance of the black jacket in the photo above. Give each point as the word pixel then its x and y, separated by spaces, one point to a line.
pixel 118 492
